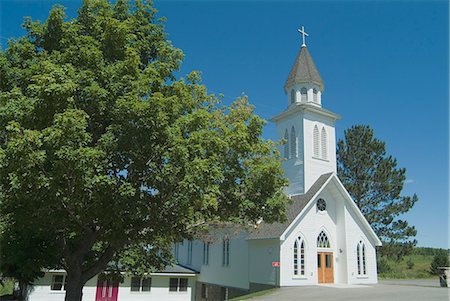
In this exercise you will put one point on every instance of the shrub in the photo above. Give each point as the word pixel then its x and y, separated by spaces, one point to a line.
pixel 410 264
pixel 439 260
pixel 383 265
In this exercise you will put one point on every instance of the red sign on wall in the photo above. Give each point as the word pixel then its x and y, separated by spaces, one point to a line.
pixel 275 263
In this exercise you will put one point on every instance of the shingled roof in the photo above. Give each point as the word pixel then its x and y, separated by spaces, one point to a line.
pixel 304 71
pixel 275 230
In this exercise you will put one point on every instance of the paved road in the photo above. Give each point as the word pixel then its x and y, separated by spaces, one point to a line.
pixel 398 290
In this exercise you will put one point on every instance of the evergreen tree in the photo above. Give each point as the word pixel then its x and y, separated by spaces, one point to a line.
pixel 107 158
pixel 375 183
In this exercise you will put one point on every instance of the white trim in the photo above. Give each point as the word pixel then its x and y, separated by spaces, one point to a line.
pixel 348 199
pixel 283 235
pixel 358 212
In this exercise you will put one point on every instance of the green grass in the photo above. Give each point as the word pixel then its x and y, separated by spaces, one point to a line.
pixel 400 270
pixel 256 294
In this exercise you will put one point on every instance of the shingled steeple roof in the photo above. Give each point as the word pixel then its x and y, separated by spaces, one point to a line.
pixel 304 71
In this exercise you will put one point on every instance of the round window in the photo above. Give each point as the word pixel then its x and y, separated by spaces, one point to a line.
pixel 321 205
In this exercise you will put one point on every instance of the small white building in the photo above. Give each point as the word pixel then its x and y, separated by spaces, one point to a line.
pixel 173 283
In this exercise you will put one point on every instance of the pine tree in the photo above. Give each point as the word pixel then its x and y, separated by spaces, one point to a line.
pixel 375 183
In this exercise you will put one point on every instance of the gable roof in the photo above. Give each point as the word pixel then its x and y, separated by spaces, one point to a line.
pixel 304 71
pixel 299 202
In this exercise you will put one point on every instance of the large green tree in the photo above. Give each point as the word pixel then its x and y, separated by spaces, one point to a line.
pixel 375 182
pixel 107 158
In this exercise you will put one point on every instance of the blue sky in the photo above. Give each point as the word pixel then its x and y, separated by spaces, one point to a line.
pixel 384 63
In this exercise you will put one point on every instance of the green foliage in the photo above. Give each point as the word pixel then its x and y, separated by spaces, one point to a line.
pixel 375 183
pixel 413 266
pixel 6 287
pixel 439 260
pixel 429 251
pixel 106 157
pixel 410 263
pixel 383 265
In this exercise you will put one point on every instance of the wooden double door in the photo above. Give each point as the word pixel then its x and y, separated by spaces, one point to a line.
pixel 325 267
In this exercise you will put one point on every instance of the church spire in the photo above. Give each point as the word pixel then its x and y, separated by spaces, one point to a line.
pixel 304 71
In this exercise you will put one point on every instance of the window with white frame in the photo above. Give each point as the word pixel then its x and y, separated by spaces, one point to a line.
pixel 315 95
pixel 292 96
pixel 299 256
pixel 178 284
pixel 293 143
pixel 323 142
pixel 226 252
pixel 206 253
pixel 286 144
pixel 141 284
pixel 361 258
pixel 316 141
pixel 58 282
pixel 304 94
pixel 189 254
pixel 322 240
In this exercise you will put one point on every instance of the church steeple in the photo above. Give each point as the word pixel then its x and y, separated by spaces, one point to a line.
pixel 304 71
pixel 304 83
pixel 307 129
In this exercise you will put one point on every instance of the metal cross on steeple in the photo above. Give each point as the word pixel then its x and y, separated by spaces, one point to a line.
pixel 303 32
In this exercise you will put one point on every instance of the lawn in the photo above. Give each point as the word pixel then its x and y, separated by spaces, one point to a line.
pixel 401 270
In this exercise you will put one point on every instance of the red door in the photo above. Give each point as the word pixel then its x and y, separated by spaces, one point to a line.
pixel 107 290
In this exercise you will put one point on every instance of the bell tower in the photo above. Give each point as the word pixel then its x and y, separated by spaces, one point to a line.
pixel 307 129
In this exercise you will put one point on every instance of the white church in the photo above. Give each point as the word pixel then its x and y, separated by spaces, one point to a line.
pixel 325 239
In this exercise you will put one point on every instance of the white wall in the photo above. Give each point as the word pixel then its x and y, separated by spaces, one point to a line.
pixel 344 230
pixel 262 252
pixel 309 227
pixel 159 290
pixel 315 167
pixel 234 275
pixel 40 290
pixel 354 235
pixel 293 166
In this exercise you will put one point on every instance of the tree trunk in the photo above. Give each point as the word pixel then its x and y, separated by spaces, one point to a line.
pixel 74 287
pixel 21 294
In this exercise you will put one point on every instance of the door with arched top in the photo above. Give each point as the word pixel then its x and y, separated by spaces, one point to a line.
pixel 325 266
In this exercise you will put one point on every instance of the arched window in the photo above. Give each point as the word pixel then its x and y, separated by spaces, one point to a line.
pixel 322 240
pixel 299 256
pixel 292 96
pixel 304 94
pixel 323 142
pixel 316 141
pixel 293 143
pixel 286 144
pixel 361 258
pixel 315 95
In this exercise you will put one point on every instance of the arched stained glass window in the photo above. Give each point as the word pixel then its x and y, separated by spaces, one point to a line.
pixel 322 240
pixel 286 144
pixel 323 142
pixel 304 94
pixel 316 141
pixel 293 143
pixel 361 258
pixel 299 256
